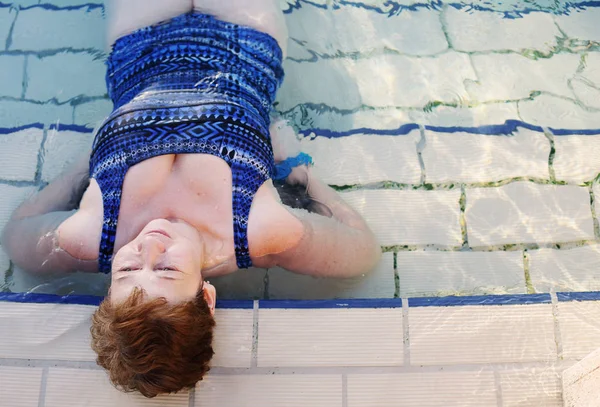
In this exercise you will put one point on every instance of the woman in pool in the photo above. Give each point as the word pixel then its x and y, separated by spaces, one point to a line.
pixel 179 188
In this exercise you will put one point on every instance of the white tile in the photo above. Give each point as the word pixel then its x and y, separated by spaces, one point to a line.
pixel 524 212
pixel 460 273
pixel 65 334
pixel 12 68
pixel 12 197
pixel 580 382
pixel 326 81
pixel 577 158
pixel 7 16
pixel 15 113
pixel 379 81
pixel 92 113
pixel 581 24
pixel 379 283
pixel 364 158
pixel 512 76
pixel 465 116
pixel 557 113
pixel 404 217
pixel 233 338
pixel 565 270
pixel 584 92
pixel 538 387
pixel 470 158
pixel 62 149
pixel 72 75
pixel 295 390
pixel 39 29
pixel 579 327
pixel 319 29
pixel 313 117
pixel 19 154
pixel 91 388
pixel 395 80
pixel 433 389
pixel 481 334
pixel 591 70
pixel 471 30
pixel 20 386
pixel 330 337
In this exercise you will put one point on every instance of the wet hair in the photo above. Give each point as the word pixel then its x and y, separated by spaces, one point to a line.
pixel 151 346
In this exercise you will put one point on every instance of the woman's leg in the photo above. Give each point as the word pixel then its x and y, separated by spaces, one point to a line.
pixel 262 15
pixel 126 16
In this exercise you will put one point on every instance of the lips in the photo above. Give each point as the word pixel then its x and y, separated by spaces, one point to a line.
pixel 160 232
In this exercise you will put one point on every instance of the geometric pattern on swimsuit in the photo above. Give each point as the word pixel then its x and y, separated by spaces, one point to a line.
pixel 193 84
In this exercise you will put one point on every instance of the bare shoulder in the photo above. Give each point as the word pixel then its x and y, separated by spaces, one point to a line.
pixel 79 235
pixel 272 227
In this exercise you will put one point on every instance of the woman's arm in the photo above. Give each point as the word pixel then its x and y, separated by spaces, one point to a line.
pixel 342 245
pixel 31 239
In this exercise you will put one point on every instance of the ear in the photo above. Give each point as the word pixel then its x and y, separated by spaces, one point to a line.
pixel 210 296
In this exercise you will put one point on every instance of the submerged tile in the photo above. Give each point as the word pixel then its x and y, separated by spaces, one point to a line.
pixel 379 283
pixel 62 149
pixel 460 273
pixel 233 338
pixel 557 113
pixel 470 158
pixel 365 158
pixel 405 217
pixel 19 154
pixel 565 270
pixel 577 158
pixel 525 212
pixel 531 387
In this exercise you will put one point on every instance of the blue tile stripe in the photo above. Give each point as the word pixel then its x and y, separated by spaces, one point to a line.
pixel 518 299
pixel 453 301
pixel 579 296
pixel 339 303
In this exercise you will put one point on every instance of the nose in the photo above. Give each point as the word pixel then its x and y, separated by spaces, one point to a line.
pixel 151 247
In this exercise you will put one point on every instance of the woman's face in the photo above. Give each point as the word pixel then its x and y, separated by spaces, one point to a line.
pixel 165 260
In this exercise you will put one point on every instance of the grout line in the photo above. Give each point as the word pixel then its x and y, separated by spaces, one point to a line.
pixel 254 354
pixel 25 80
pixel 444 25
pixel 462 202
pixel 396 276
pixel 530 289
pixel 41 155
pixel 498 385
pixel 192 397
pixel 344 390
pixel 43 386
pixel 421 144
pixel 8 42
pixel 381 370
pixel 557 334
pixel 19 362
pixel 552 154
pixel 406 332
pixel 594 214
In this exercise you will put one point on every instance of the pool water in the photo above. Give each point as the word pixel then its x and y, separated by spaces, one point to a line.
pixel 466 134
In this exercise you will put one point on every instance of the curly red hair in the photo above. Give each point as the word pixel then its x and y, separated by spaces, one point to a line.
pixel 152 346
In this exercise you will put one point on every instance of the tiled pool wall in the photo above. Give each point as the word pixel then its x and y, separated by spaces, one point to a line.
pixel 461 351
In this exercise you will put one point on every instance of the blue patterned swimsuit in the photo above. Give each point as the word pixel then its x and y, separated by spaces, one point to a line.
pixel 193 84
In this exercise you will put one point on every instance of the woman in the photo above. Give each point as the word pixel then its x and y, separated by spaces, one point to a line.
pixel 185 155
